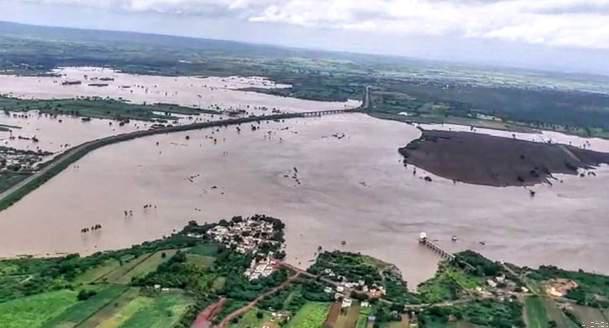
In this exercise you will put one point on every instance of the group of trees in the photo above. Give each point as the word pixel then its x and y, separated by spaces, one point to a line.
pixel 349 265
pixel 485 313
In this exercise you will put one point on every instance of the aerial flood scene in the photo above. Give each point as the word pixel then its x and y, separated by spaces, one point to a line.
pixel 153 179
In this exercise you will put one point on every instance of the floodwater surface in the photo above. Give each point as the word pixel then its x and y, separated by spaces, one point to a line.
pixel 331 179
pixel 207 93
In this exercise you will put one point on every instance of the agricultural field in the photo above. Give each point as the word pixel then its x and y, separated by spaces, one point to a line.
pixel 311 315
pixel 362 321
pixel 98 272
pixel 168 282
pixel 83 310
pixel 34 311
pixel 254 319
pixel 160 311
pixel 588 316
pixel 348 318
pixel 535 311
pixel 557 315
pixel 149 264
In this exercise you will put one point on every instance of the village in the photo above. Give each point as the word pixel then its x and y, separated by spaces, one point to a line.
pixel 258 236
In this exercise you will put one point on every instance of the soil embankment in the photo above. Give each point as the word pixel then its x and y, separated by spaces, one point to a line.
pixel 496 161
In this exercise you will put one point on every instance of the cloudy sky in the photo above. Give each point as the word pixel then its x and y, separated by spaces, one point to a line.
pixel 566 35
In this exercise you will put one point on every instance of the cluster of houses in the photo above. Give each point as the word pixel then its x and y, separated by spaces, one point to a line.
pixel 344 288
pixel 261 268
pixel 248 236
pixel 501 287
pixel 244 236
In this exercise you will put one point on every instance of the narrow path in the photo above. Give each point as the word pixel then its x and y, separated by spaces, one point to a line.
pixel 204 317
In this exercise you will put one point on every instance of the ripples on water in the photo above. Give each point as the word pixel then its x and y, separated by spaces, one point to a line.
pixel 352 188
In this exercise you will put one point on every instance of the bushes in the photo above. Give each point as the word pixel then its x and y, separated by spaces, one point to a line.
pixel 85 294
pixel 484 267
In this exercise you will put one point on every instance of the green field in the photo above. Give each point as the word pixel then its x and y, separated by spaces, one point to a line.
pixel 201 261
pixel 556 315
pixel 311 315
pixel 97 273
pixel 125 312
pixel 160 312
pixel 207 249
pixel 535 312
pixel 82 310
pixel 251 320
pixel 588 316
pixel 109 311
pixel 146 266
pixel 117 275
pixel 34 311
pixel 8 179
pixel 362 321
pixel 348 319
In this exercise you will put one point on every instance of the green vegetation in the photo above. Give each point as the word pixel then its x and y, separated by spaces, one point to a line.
pixel 33 311
pixel 252 319
pixel 536 312
pixel 81 311
pixel 592 289
pixel 484 313
pixel 311 315
pixel 9 179
pixel 362 321
pixel 497 106
pixel 229 307
pixel 70 291
pixel 427 92
pixel 167 282
pixel 356 267
pixel 478 264
pixel 449 283
pixel 105 108
pixel 164 310
pixel 353 267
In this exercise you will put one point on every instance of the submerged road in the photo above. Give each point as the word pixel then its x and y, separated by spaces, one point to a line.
pixel 61 162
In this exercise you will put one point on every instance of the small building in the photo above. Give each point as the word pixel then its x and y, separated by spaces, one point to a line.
pixel 422 237
pixel 347 302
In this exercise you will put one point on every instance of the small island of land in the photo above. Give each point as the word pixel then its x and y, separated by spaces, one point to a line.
pixel 496 161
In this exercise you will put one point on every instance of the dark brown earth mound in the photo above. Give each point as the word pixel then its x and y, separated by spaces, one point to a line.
pixel 496 161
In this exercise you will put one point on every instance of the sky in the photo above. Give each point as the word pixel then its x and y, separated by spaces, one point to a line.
pixel 561 35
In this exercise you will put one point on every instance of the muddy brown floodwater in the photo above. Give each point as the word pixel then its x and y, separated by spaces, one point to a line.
pixel 338 178
pixel 200 92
